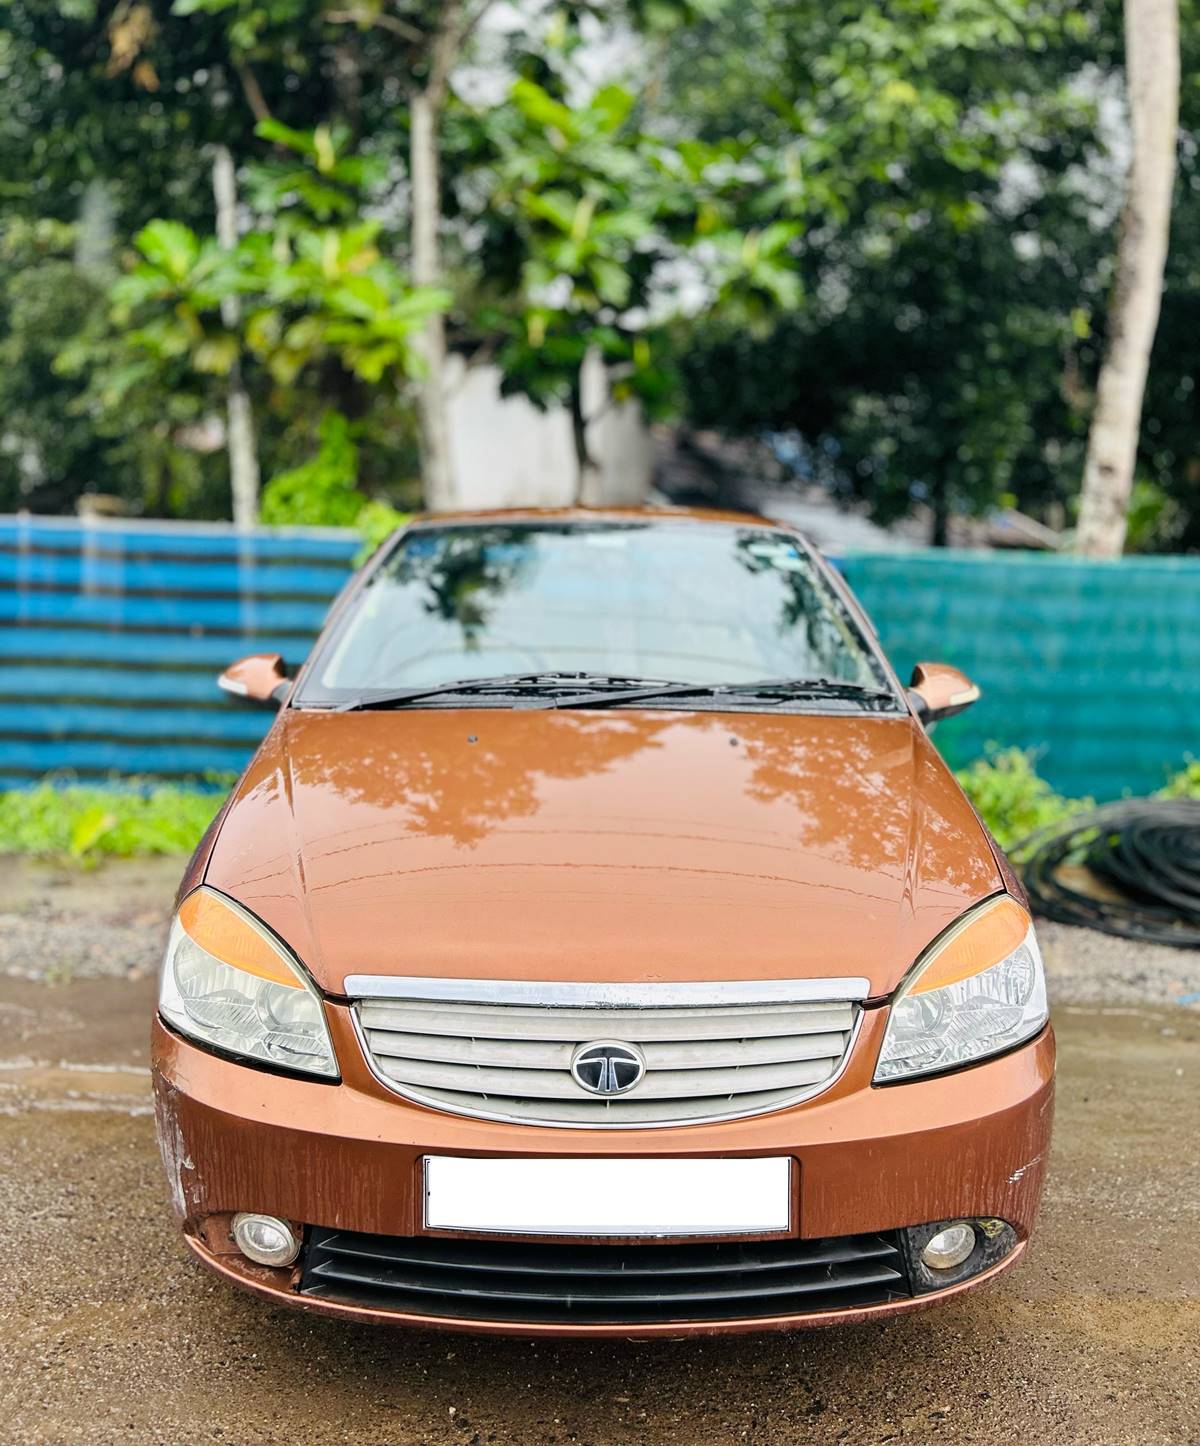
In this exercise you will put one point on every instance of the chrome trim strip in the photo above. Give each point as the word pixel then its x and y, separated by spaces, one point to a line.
pixel 406 1092
pixel 561 994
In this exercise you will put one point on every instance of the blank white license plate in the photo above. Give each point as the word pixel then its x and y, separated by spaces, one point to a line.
pixel 609 1197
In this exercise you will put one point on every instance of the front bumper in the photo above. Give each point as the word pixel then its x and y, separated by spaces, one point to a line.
pixel 347 1157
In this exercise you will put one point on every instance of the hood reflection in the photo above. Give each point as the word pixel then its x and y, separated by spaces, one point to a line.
pixel 531 843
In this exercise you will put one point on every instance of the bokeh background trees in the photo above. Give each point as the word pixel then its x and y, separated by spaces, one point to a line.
pixel 878 238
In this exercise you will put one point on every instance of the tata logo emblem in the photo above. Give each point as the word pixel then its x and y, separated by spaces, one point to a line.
pixel 608 1067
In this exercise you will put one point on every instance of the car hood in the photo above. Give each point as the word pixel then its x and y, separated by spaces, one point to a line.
pixel 616 845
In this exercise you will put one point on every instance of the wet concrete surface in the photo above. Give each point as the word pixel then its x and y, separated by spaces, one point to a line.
pixel 110 1332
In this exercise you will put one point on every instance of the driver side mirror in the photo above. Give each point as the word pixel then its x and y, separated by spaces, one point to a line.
pixel 260 679
pixel 939 691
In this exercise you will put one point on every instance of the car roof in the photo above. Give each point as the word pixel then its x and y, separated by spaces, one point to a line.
pixel 582 515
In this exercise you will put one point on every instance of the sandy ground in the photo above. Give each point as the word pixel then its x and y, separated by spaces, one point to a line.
pixel 108 1332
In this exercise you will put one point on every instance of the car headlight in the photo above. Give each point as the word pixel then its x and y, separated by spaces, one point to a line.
pixel 978 990
pixel 228 982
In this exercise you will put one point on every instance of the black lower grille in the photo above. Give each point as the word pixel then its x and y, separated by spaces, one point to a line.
pixel 603 1284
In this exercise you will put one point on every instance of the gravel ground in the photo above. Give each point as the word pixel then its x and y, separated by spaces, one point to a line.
pixel 1084 967
pixel 60 923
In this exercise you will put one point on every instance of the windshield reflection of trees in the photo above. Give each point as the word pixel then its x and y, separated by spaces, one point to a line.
pixel 807 607
pixel 466 571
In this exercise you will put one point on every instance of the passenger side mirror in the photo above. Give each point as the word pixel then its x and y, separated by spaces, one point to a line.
pixel 939 691
pixel 260 679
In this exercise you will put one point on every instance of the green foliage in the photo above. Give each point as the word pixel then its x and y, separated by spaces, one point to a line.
pixel 45 302
pixel 308 292
pixel 1156 520
pixel 321 492
pixel 949 254
pixel 1016 803
pixel 575 193
pixel 131 99
pixel 301 305
pixel 82 822
pixel 376 523
pixel 587 213
pixel 884 229
pixel 1012 799
pixel 1185 783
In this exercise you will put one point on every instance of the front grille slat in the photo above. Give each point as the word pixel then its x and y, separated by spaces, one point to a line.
pixel 537 1054
pixel 506 1061
pixel 640 1026
pixel 625 1111
pixel 447 1049
pixel 618 1284
pixel 515 1259
pixel 666 1084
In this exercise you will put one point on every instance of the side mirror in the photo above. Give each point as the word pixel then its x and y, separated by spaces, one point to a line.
pixel 261 679
pixel 939 691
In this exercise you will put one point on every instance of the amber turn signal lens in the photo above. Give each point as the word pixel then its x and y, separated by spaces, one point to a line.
pixel 990 934
pixel 221 931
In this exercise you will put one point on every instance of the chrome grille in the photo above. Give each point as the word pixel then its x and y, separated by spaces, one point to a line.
pixel 487 1056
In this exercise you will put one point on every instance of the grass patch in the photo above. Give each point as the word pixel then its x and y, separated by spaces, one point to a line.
pixel 86 822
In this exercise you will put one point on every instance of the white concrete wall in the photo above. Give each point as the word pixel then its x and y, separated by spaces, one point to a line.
pixel 507 453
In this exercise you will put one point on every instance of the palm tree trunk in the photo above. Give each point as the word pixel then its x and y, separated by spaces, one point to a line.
pixel 1152 78
pixel 243 453
pixel 587 474
pixel 456 19
pixel 436 462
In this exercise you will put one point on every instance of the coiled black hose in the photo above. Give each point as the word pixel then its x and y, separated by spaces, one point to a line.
pixel 1144 858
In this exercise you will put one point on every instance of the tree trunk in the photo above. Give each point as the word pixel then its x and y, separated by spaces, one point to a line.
pixel 939 522
pixel 243 454
pixel 587 476
pixel 436 468
pixel 1152 79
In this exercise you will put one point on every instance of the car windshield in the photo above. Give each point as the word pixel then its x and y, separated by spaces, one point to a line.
pixel 703 603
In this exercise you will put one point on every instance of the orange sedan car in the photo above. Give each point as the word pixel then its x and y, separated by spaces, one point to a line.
pixel 598 945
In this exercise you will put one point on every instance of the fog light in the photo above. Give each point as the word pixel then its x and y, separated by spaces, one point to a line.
pixel 949 1247
pixel 266 1240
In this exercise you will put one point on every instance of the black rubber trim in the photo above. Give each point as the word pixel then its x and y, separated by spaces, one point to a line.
pixel 603 1283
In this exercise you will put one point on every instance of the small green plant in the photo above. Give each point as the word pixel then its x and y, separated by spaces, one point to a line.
pixel 1015 802
pixel 322 492
pixel 1012 799
pixel 84 822
pixel 376 523
pixel 1185 783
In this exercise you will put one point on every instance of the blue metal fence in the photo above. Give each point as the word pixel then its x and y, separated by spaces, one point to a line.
pixel 111 634
pixel 1095 665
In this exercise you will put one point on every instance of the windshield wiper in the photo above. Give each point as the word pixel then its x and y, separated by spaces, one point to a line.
pixel 813 688
pixel 599 690
pixel 575 688
pixel 777 690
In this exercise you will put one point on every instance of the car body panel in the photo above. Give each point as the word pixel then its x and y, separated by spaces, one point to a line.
pixel 546 844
